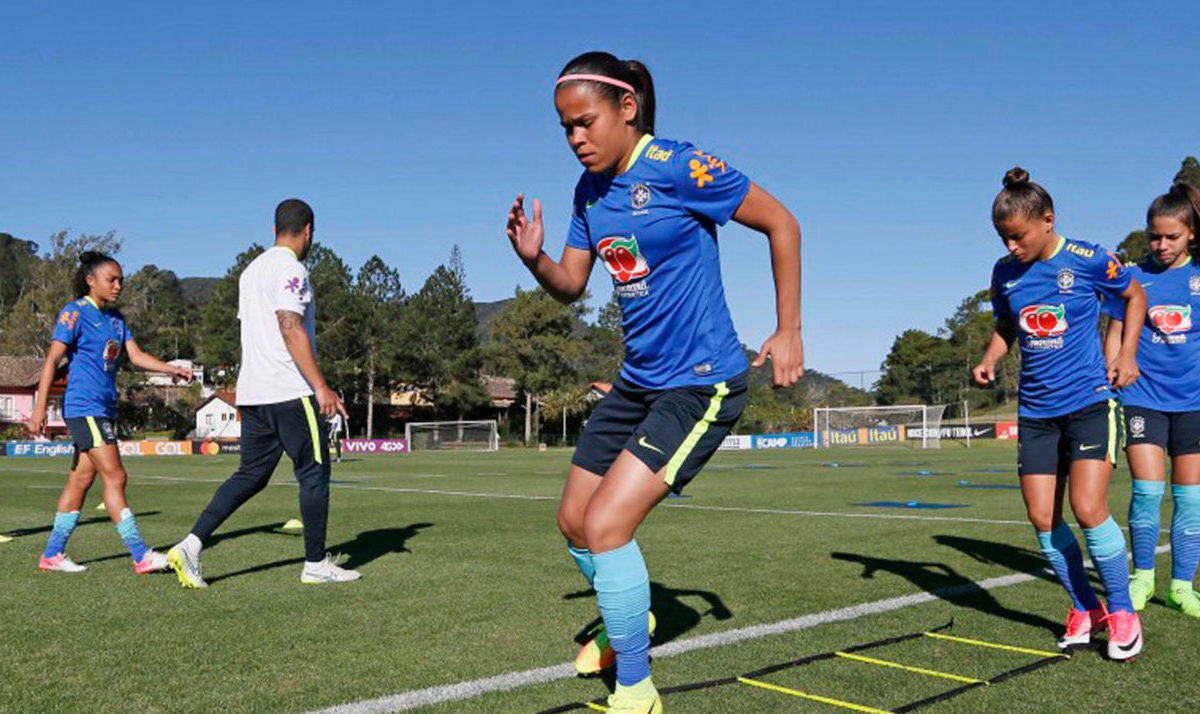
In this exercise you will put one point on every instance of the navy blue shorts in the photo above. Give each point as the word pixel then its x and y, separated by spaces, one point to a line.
pixel 675 431
pixel 1176 432
pixel 90 432
pixel 1048 446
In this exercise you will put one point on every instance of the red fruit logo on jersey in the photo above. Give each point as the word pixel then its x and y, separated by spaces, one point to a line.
pixel 1169 319
pixel 622 258
pixel 112 350
pixel 1044 320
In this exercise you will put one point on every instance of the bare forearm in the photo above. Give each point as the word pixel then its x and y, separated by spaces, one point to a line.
pixel 785 265
pixel 1112 342
pixel 141 360
pixel 554 278
pixel 44 382
pixel 300 348
pixel 997 347
pixel 1135 318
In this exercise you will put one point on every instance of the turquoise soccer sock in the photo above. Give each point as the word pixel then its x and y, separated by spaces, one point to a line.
pixel 1106 545
pixel 1066 559
pixel 583 560
pixel 1145 517
pixel 623 593
pixel 128 531
pixel 64 525
pixel 1185 532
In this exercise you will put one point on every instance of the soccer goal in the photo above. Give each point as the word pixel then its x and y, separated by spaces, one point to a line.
pixel 899 425
pixel 455 435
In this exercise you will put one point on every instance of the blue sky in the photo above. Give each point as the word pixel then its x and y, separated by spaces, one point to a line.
pixel 886 130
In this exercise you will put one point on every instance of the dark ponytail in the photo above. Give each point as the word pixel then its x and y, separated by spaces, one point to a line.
pixel 1181 202
pixel 89 261
pixel 631 72
pixel 1020 197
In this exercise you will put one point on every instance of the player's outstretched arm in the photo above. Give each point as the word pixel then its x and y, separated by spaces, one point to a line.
pixel 37 420
pixel 785 348
pixel 565 280
pixel 144 360
pixel 295 337
pixel 1002 337
pixel 1125 370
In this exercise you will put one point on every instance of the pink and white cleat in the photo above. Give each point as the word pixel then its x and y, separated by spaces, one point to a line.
pixel 60 564
pixel 1124 635
pixel 1081 625
pixel 151 562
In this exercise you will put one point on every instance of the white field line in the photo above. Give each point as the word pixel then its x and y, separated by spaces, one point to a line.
pixel 414 698
pixel 681 506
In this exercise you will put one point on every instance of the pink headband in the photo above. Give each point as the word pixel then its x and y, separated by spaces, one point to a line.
pixel 595 78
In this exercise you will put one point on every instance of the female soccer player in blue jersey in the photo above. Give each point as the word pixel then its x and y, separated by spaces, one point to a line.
pixel 649 208
pixel 1046 292
pixel 91 333
pixel 1162 408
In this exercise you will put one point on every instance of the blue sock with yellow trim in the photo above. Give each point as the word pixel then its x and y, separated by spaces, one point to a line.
pixel 623 593
pixel 1185 532
pixel 64 525
pixel 128 531
pixel 583 560
pixel 1145 521
pixel 1066 559
pixel 1106 545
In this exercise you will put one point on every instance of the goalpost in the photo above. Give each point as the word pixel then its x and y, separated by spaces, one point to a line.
pixel 454 435
pixel 898 425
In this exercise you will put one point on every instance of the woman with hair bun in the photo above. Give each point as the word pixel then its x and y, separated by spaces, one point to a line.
pixel 91 334
pixel 1047 292
pixel 1162 409
pixel 649 208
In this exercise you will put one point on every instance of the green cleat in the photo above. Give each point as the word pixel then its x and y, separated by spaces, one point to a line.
pixel 1183 598
pixel 1141 588
pixel 640 698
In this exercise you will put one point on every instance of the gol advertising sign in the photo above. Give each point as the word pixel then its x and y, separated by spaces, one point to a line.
pixel 375 446
pixel 156 448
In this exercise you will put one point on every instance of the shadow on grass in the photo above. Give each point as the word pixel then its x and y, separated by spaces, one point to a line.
pixel 211 542
pixel 21 532
pixel 675 617
pixel 946 583
pixel 364 548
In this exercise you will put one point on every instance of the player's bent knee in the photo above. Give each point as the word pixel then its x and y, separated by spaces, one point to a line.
pixel 604 533
pixel 1090 515
pixel 1042 519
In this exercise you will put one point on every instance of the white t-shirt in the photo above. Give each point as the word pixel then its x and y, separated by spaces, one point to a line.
pixel 275 280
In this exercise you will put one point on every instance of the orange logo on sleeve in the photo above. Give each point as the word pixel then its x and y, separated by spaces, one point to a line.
pixel 68 319
pixel 702 166
pixel 1114 267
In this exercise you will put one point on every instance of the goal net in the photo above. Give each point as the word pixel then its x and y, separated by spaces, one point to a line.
pixel 458 435
pixel 918 425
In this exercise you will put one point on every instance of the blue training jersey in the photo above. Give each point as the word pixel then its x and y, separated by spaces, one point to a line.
pixel 1169 347
pixel 1054 304
pixel 654 227
pixel 94 340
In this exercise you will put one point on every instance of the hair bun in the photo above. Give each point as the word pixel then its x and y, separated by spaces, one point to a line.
pixel 89 256
pixel 1016 176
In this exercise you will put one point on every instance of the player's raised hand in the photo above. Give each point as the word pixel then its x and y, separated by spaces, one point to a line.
pixel 785 349
pixel 526 234
pixel 984 373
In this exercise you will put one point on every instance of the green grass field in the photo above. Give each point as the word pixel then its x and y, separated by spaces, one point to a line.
pixel 465 577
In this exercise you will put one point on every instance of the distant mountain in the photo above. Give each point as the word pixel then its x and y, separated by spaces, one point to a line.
pixel 485 312
pixel 196 291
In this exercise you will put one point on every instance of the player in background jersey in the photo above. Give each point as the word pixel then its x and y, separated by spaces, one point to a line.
pixel 91 334
pixel 1046 294
pixel 649 208
pixel 1162 408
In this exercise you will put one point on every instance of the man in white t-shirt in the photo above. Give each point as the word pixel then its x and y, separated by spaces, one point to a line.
pixel 282 397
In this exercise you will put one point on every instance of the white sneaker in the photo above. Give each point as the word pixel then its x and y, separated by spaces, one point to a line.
pixel 327 571
pixel 151 562
pixel 60 564
pixel 186 563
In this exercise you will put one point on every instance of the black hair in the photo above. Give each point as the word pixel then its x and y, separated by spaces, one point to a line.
pixel 1020 196
pixel 1181 202
pixel 631 72
pixel 291 216
pixel 89 262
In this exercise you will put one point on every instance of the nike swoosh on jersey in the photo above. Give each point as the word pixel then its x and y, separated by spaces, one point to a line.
pixel 1013 283
pixel 647 445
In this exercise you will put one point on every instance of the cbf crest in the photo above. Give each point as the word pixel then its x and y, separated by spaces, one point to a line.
pixel 1137 426
pixel 1066 279
pixel 639 196
pixel 1194 284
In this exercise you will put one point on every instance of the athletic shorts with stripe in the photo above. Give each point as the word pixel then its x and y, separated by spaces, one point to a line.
pixel 675 431
pixel 90 432
pixel 1048 446
pixel 1178 433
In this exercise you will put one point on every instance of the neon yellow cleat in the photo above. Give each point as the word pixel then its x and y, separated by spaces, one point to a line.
pixel 1183 598
pixel 640 698
pixel 5 539
pixel 1141 588
pixel 598 655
